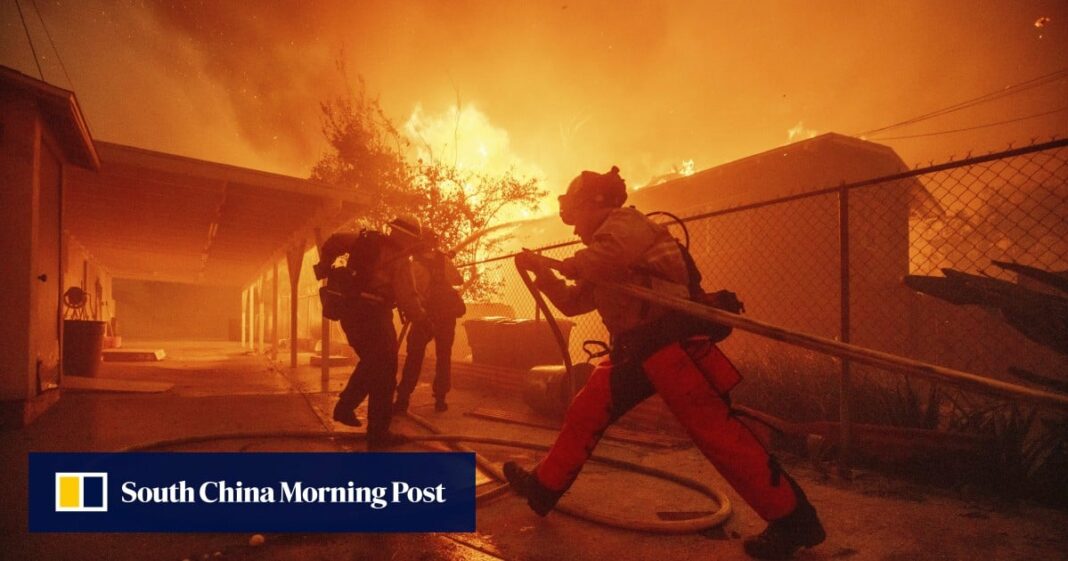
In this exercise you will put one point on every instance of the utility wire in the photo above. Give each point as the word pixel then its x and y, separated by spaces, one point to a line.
pixel 53 43
pixel 1005 92
pixel 30 40
pixel 991 96
pixel 983 126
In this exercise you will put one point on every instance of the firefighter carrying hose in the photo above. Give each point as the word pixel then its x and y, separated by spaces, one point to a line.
pixel 653 350
pixel 376 278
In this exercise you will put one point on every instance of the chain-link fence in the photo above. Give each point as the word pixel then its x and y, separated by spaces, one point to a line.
pixel 832 262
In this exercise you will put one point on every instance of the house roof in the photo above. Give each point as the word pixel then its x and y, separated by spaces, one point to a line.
pixel 61 113
pixel 810 165
pixel 154 216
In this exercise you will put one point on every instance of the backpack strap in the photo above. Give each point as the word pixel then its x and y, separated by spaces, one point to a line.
pixel 692 273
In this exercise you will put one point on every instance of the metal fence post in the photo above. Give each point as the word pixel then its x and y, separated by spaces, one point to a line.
pixel 845 386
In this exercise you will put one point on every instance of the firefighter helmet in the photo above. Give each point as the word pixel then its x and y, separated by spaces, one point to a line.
pixel 600 189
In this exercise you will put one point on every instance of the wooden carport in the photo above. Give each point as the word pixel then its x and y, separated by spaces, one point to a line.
pixel 148 215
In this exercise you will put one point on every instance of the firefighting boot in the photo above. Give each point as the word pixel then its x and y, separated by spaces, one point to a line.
pixel 783 537
pixel 440 406
pixel 345 415
pixel 540 499
pixel 400 406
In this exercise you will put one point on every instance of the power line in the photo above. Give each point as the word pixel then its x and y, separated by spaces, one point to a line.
pixel 30 40
pixel 51 42
pixel 1005 92
pixel 983 126
pixel 991 96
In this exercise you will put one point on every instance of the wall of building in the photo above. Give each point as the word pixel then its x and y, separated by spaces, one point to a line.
pixel 147 310
pixel 19 141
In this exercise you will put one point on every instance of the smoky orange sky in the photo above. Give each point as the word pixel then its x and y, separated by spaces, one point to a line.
pixel 552 87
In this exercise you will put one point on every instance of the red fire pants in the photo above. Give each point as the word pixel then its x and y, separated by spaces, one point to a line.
pixel 693 378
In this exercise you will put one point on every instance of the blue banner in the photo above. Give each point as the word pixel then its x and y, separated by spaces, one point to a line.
pixel 252 492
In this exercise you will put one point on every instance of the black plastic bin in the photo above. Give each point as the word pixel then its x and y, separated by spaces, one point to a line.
pixel 83 341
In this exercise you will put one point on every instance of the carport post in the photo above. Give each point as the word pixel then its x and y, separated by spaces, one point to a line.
pixel 274 310
pixel 252 316
pixel 324 354
pixel 244 318
pixel 261 322
pixel 294 260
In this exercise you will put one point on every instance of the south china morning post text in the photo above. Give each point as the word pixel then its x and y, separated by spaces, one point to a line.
pixel 210 492
pixel 258 492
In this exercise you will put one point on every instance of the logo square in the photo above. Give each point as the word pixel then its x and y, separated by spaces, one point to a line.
pixel 81 492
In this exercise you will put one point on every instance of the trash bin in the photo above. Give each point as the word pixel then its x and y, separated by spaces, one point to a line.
pixel 518 344
pixel 83 341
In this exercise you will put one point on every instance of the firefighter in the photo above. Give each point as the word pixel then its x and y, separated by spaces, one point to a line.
pixel 653 350
pixel 381 279
pixel 435 278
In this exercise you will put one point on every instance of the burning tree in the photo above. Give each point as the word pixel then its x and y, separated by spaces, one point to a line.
pixel 368 153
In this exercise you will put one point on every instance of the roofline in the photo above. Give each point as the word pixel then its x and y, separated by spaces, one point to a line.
pixel 778 150
pixel 65 98
pixel 131 155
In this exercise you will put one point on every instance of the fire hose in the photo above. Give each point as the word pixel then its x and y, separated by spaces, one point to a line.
pixel 862 355
pixel 653 526
pixel 687 526
pixel 836 348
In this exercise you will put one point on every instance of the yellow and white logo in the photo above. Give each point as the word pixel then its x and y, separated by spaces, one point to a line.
pixel 82 492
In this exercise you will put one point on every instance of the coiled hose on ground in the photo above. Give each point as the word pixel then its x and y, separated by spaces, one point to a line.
pixel 654 526
pixel 455 442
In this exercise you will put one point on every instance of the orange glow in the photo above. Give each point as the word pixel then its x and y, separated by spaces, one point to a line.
pixel 466 138
pixel 557 89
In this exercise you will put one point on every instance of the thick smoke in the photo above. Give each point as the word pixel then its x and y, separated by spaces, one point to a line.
pixel 586 85
pixel 576 85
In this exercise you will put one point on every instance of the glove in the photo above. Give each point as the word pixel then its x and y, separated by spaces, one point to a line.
pixel 321 270
pixel 568 269
pixel 533 262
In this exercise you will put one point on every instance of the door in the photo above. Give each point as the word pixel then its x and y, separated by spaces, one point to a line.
pixel 47 319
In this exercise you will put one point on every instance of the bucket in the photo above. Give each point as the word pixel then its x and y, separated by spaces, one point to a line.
pixel 546 391
pixel 83 341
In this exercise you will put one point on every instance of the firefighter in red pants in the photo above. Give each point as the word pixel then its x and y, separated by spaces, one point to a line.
pixel 654 350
